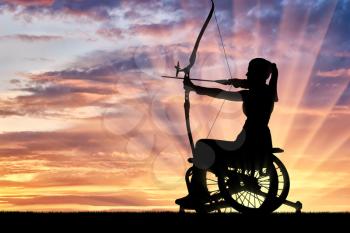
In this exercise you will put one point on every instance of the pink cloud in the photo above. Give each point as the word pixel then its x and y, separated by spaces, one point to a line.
pixel 110 33
pixel 31 38
pixel 165 30
pixel 31 3
pixel 343 54
pixel 96 10
pixel 339 73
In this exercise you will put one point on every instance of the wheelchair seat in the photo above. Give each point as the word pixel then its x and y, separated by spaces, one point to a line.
pixel 274 150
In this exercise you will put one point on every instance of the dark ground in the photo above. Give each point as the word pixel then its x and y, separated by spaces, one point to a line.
pixel 170 222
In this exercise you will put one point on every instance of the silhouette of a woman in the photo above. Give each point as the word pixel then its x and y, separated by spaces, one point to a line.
pixel 254 142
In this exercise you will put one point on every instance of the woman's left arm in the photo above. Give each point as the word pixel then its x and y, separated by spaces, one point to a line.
pixel 213 92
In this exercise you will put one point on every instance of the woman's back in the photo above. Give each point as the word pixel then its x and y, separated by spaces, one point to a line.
pixel 258 106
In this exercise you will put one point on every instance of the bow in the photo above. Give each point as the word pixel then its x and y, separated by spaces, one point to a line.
pixel 187 71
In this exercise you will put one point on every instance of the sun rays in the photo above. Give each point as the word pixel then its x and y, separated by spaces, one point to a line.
pixel 88 124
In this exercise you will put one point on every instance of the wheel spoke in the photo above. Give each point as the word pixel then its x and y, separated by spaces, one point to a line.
pixel 211 180
pixel 239 196
pixel 257 197
pixel 249 200
pixel 264 185
pixel 264 178
pixel 214 191
pixel 254 199
pixel 243 197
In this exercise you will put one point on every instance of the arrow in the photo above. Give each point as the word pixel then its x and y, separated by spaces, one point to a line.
pixel 223 81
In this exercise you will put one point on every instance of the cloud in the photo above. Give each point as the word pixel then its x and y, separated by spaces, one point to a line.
pixel 111 33
pixel 163 29
pixel 52 105
pixel 38 59
pixel 339 73
pixel 90 81
pixel 30 3
pixel 97 79
pixel 343 54
pixel 81 149
pixel 9 112
pixel 125 199
pixel 31 38
pixel 95 9
pixel 86 155
pixel 264 11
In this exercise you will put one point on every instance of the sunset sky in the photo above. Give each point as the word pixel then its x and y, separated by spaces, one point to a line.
pixel 87 123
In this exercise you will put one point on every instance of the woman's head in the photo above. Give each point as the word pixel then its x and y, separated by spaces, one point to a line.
pixel 259 71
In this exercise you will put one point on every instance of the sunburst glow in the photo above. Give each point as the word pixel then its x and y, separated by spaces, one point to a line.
pixel 87 123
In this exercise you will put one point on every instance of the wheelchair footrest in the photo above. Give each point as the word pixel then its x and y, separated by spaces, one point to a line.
pixel 277 150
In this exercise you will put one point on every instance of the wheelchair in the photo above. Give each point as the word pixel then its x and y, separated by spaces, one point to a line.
pixel 246 189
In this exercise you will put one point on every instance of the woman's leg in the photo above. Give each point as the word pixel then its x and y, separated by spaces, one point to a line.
pixel 203 158
pixel 205 153
pixel 209 154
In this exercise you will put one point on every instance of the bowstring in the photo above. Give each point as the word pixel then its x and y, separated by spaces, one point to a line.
pixel 229 70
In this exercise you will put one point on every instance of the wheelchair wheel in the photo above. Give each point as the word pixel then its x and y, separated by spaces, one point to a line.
pixel 248 190
pixel 283 184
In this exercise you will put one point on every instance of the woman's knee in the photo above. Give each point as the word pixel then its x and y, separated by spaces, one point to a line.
pixel 204 156
pixel 202 142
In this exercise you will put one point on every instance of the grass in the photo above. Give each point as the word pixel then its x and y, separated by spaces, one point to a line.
pixel 165 221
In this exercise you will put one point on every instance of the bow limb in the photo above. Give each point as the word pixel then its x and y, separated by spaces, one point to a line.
pixel 187 117
pixel 193 56
pixel 187 70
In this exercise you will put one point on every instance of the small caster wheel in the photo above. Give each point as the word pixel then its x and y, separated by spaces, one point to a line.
pixel 181 210
pixel 298 208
